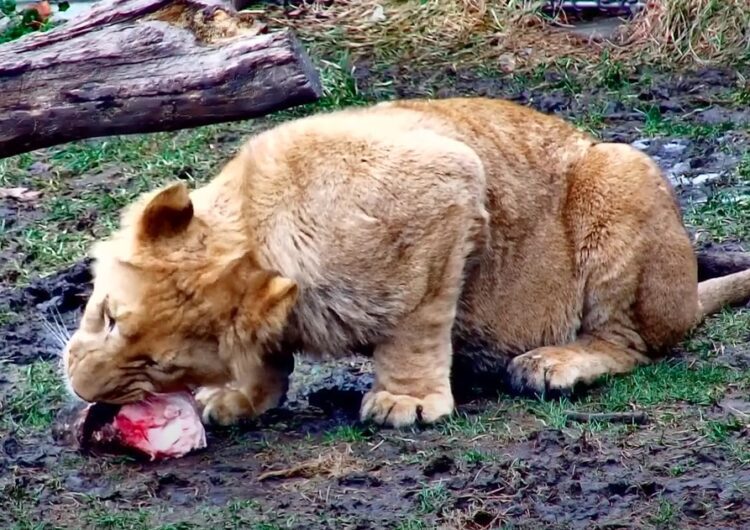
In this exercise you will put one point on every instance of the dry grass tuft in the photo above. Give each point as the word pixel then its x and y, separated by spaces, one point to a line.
pixel 508 35
pixel 434 33
pixel 691 32
pixel 330 464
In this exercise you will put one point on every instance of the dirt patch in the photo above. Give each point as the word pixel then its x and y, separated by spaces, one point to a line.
pixel 639 477
pixel 46 302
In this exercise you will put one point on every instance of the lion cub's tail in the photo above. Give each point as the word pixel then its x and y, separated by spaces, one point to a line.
pixel 717 292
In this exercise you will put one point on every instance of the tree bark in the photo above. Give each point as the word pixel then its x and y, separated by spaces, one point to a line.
pixel 137 66
pixel 716 263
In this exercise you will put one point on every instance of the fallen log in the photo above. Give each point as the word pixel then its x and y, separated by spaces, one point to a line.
pixel 137 66
pixel 716 263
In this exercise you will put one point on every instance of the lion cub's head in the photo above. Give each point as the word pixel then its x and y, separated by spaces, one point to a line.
pixel 177 300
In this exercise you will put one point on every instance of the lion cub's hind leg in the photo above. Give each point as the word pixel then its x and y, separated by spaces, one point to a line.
pixel 637 269
pixel 559 370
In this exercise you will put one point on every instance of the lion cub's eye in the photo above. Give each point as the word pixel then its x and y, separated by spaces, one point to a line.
pixel 110 320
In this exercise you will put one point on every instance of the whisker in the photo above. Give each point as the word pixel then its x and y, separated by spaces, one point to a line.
pixel 55 333
pixel 49 327
pixel 61 323
pixel 64 335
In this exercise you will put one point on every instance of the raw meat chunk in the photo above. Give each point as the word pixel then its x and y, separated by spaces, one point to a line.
pixel 161 426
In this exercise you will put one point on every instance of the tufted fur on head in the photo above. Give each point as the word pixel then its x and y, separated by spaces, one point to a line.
pixel 173 305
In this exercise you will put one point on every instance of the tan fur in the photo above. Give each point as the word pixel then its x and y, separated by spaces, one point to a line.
pixel 408 228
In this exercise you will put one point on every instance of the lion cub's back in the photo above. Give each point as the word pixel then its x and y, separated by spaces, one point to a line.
pixel 358 207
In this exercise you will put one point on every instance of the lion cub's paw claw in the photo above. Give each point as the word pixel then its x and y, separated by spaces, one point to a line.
pixel 223 406
pixel 549 375
pixel 398 410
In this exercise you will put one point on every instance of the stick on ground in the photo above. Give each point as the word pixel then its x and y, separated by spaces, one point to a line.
pixel 613 417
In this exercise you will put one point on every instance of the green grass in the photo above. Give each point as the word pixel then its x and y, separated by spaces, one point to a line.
pixel 463 425
pixel 741 96
pixel 721 431
pixel 18 502
pixel 346 434
pixel 411 523
pixel 611 73
pixel 55 240
pixel 700 382
pixel 144 162
pixel 591 122
pixel 47 249
pixel 677 470
pixel 743 168
pixel 432 497
pixel 663 383
pixel 551 412
pixel 38 394
pixel 475 456
pixel 666 382
pixel 740 451
pixel 7 316
pixel 730 327
pixel 23 523
pixel 107 519
pixel 727 434
pixel 724 217
pixel 665 514
pixel 655 124
pixel 235 515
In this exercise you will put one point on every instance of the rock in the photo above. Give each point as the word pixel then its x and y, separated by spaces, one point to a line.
pixel 738 408
pixel 674 147
pixel 676 174
pixel 712 116
pixel 705 178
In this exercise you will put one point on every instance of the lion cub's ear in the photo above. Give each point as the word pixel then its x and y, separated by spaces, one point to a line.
pixel 168 213
pixel 278 296
pixel 273 299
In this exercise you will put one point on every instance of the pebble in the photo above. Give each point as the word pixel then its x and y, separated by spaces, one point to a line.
pixel 674 147
pixel 677 172
pixel 678 180
pixel 705 178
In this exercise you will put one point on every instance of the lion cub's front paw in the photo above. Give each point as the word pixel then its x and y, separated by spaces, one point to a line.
pixel 399 410
pixel 223 405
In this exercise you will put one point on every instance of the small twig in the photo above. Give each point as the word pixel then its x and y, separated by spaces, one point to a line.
pixel 331 464
pixel 296 471
pixel 614 417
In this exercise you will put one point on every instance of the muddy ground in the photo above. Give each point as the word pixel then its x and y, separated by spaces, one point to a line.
pixel 502 462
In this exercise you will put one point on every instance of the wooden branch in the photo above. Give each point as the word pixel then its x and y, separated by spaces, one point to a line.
pixel 716 263
pixel 614 417
pixel 136 66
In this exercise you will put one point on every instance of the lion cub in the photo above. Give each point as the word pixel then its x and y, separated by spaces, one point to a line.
pixel 407 228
